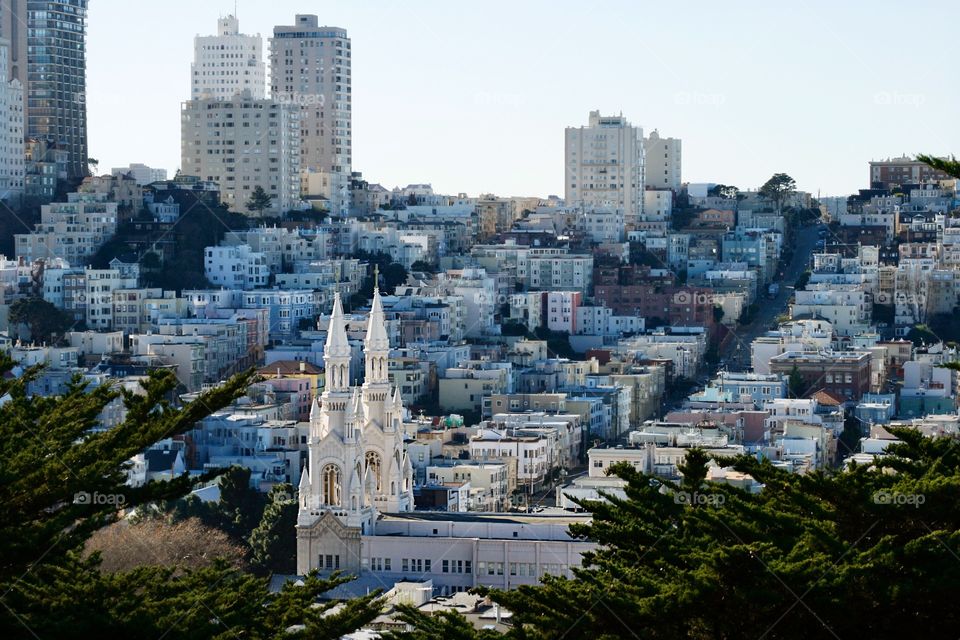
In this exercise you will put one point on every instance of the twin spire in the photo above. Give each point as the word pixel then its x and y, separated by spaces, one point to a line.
pixel 376 345
pixel 338 345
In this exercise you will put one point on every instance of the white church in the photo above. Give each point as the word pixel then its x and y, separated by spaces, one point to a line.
pixel 356 505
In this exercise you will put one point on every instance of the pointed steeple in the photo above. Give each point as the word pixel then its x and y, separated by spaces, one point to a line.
pixel 336 351
pixel 337 344
pixel 376 346
pixel 377 338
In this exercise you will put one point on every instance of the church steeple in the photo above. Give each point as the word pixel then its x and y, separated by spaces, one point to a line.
pixel 376 346
pixel 336 351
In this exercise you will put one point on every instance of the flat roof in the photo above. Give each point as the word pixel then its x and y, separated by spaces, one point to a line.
pixel 547 516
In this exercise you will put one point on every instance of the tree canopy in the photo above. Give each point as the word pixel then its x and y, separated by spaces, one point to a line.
pixel 61 481
pixel 259 200
pixel 777 189
pixel 867 552
pixel 45 321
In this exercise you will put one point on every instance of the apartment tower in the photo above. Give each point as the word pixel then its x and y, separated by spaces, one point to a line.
pixel 310 68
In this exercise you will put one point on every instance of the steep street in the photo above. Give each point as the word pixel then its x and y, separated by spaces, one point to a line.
pixel 737 351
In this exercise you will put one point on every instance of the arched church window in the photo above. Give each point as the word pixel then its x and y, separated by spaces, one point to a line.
pixel 331 485
pixel 374 464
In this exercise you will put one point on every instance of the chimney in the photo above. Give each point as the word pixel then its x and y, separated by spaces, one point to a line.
pixel 303 367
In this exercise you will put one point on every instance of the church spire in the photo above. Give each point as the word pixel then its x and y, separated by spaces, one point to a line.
pixel 376 345
pixel 376 326
pixel 336 351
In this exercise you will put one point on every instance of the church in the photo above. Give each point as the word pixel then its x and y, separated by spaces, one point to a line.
pixel 357 465
pixel 356 506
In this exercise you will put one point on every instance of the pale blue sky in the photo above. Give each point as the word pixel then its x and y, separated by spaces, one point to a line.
pixel 473 96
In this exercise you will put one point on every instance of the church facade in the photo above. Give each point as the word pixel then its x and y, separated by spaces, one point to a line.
pixel 357 465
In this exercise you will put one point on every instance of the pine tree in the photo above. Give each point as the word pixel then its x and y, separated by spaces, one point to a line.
pixel 866 552
pixel 60 482
pixel 272 543
pixel 259 201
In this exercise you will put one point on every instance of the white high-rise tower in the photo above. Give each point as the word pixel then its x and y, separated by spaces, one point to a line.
pixel 228 64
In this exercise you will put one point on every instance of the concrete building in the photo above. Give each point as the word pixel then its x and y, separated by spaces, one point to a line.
pixel 228 63
pixel 662 162
pixel 72 230
pixel 11 132
pixel 141 173
pixel 603 165
pixel 843 374
pixel 242 143
pixel 310 69
pixel 56 108
pixel 236 267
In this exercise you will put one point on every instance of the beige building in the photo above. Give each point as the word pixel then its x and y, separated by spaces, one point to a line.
pixel 72 230
pixel 243 143
pixel 604 165
pixel 310 69
pixel 661 158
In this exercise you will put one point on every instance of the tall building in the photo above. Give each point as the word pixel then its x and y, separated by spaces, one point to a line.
pixel 13 27
pixel 11 133
pixel 242 143
pixel 604 165
pixel 310 67
pixel 661 158
pixel 228 63
pixel 56 109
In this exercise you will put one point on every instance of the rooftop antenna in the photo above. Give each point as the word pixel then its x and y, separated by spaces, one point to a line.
pixel 376 276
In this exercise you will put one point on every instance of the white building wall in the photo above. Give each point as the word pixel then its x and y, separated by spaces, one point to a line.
pixel 228 63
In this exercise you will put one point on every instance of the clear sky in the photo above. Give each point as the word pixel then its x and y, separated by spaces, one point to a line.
pixel 473 96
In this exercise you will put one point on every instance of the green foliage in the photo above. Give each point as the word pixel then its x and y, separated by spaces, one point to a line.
pixel 864 553
pixel 259 200
pixel 796 385
pixel 273 545
pixel 45 322
pixel 921 334
pixel 950 165
pixel 391 274
pixel 802 281
pixel 199 226
pixel 558 343
pixel 60 482
pixel 420 265
pixel 778 188
pixel 238 511
pixel 726 191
